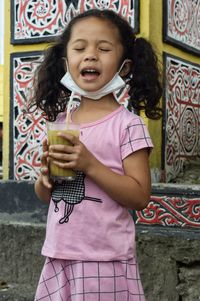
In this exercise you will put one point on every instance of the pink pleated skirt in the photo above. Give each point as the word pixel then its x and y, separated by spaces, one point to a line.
pixel 69 280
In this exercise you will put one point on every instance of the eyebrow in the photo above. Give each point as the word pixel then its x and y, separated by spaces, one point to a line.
pixel 99 42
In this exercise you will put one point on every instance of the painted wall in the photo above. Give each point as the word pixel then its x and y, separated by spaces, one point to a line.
pixel 150 27
pixel 154 26
pixel 8 50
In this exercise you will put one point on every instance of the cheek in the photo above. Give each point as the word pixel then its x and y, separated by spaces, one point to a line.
pixel 112 66
pixel 71 56
pixel 72 63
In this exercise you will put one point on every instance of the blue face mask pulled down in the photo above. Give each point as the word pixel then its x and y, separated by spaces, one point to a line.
pixel 113 85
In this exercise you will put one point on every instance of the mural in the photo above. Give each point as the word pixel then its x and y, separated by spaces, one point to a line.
pixel 26 129
pixel 173 211
pixel 39 21
pixel 182 23
pixel 181 136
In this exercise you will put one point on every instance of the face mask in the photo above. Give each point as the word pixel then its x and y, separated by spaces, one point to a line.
pixel 114 84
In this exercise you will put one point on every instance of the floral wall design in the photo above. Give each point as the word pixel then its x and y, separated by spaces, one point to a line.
pixel 26 129
pixel 178 208
pixel 182 24
pixel 182 115
pixel 39 21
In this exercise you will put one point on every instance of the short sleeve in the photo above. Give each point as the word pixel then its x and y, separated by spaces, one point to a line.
pixel 135 136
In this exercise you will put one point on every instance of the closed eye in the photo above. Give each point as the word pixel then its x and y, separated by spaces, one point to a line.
pixel 104 49
pixel 79 49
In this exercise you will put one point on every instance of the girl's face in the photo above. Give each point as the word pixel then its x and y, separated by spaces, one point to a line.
pixel 94 53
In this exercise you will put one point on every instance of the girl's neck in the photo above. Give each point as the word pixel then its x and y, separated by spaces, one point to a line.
pixel 92 110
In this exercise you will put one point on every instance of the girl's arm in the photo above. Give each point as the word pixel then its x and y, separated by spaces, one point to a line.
pixel 43 185
pixel 131 189
pixel 42 191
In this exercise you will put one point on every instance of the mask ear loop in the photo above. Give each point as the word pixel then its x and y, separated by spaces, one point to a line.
pixel 69 107
pixel 120 69
pixel 122 66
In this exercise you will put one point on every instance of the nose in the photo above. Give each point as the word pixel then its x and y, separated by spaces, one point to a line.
pixel 91 56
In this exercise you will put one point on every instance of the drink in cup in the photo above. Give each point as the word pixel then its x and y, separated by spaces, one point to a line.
pixel 53 128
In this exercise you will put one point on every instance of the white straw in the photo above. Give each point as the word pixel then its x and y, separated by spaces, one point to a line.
pixel 69 106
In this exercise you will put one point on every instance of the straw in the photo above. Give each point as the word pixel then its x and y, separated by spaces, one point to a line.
pixel 69 106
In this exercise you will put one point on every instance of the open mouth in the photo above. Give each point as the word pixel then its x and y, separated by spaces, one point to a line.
pixel 90 73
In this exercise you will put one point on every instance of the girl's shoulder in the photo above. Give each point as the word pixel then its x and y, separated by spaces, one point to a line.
pixel 128 117
pixel 134 134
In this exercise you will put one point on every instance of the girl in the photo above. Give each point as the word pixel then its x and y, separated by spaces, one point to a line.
pixel 90 236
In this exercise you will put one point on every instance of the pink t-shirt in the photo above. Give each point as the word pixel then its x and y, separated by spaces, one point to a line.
pixel 84 223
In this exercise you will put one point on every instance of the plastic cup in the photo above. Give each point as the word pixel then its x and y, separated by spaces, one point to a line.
pixel 53 128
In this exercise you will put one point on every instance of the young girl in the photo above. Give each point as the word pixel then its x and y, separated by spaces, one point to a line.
pixel 90 236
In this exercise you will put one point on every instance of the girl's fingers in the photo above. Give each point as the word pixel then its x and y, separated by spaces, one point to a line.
pixel 45 153
pixel 44 158
pixel 60 148
pixel 71 138
pixel 44 170
pixel 63 156
pixel 47 182
pixel 44 145
pixel 64 165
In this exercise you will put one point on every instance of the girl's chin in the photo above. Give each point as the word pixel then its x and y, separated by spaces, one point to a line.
pixel 90 88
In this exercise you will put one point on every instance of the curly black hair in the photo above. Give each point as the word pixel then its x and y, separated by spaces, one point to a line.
pixel 145 89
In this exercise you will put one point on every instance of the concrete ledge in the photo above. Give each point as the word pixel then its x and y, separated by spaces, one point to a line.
pixel 18 202
pixel 169 262
pixel 20 260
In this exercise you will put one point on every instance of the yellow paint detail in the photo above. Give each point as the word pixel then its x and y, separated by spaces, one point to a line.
pixel 1 93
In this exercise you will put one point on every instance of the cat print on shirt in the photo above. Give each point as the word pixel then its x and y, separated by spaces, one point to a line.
pixel 71 193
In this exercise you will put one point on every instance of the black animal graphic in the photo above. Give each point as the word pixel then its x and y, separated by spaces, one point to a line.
pixel 72 193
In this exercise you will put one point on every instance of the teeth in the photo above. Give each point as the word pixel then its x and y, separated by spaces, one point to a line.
pixel 84 71
pixel 90 70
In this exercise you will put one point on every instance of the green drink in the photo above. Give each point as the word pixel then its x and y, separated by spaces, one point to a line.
pixel 53 128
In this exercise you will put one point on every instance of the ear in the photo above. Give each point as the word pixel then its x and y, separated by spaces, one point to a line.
pixel 126 68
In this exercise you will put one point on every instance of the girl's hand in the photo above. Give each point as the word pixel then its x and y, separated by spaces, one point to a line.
pixel 75 156
pixel 44 176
